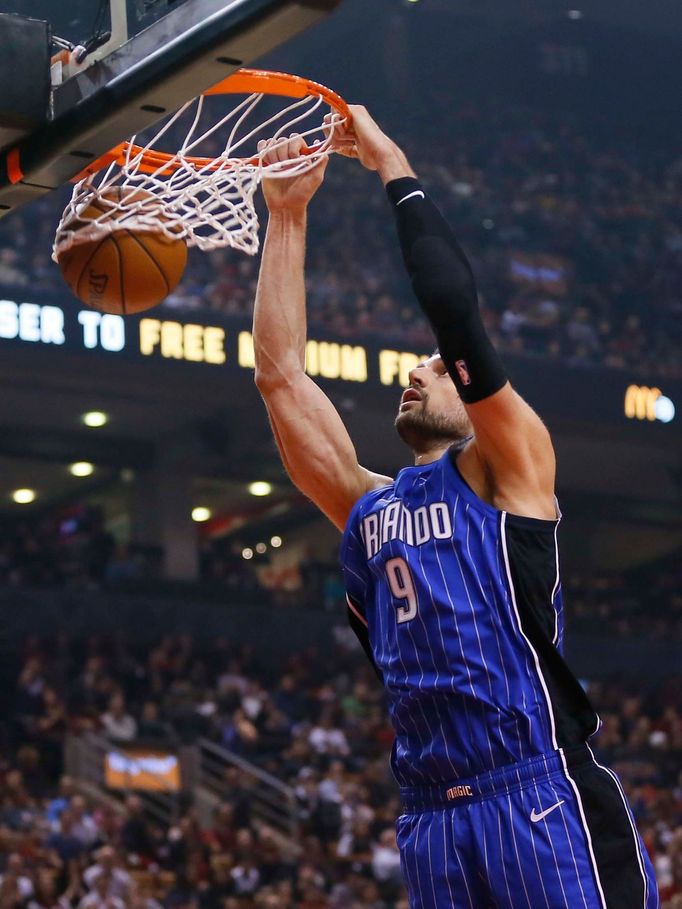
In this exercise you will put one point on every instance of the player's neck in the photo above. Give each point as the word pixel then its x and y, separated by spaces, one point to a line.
pixel 430 455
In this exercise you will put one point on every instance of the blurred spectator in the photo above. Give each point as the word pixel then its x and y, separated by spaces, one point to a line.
pixel 15 885
pixel 83 827
pixel 61 800
pixel 13 270
pixel 326 737
pixel 151 726
pixel 386 861
pixel 136 836
pixel 246 877
pixel 102 894
pixel 117 723
pixel 64 840
pixel 118 880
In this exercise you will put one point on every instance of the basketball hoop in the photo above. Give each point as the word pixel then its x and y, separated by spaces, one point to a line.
pixel 207 201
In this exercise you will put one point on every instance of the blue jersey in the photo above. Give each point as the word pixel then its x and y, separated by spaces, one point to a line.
pixel 459 607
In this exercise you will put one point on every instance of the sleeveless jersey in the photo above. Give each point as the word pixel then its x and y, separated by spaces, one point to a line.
pixel 459 607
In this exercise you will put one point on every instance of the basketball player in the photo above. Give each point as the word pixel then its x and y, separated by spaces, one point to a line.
pixel 453 586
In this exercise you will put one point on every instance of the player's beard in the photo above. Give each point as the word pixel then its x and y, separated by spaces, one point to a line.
pixel 422 430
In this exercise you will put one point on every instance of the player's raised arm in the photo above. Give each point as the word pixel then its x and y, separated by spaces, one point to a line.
pixel 316 449
pixel 511 442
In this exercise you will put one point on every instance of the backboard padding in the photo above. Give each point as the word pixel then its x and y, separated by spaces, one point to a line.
pixel 176 58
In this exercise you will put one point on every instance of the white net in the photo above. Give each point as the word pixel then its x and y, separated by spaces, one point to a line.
pixel 207 201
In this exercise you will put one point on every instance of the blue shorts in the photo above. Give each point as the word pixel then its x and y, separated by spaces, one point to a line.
pixel 552 832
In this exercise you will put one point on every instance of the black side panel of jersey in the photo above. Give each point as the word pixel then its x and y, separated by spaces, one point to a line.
pixel 361 634
pixel 532 562
pixel 615 843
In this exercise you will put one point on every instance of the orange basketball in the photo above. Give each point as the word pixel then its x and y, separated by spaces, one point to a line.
pixel 126 271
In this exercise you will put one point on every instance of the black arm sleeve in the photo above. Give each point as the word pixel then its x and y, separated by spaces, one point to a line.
pixel 446 290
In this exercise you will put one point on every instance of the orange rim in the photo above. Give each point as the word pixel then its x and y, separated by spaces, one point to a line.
pixel 241 82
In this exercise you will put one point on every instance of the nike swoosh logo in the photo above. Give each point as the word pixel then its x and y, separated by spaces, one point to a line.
pixel 535 817
pixel 413 195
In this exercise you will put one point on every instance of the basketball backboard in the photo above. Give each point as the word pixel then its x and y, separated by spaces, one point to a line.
pixel 142 59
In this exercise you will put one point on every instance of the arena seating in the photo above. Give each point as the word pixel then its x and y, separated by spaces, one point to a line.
pixel 317 722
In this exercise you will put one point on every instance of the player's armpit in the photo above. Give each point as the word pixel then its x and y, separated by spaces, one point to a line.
pixel 315 447
pixel 514 447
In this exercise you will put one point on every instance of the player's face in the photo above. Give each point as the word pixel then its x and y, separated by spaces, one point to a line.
pixel 431 411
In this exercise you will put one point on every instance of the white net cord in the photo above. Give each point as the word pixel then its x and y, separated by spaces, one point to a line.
pixel 208 202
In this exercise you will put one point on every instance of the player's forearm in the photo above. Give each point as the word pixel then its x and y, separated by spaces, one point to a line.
pixel 279 320
pixel 393 164
pixel 373 147
pixel 444 285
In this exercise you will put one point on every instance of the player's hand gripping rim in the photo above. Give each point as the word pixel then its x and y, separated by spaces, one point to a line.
pixel 284 193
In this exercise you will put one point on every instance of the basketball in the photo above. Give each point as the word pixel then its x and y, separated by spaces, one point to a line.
pixel 126 271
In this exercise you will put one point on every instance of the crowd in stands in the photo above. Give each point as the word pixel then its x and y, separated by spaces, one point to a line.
pixel 643 603
pixel 573 232
pixel 315 720
pixel 69 547
pixel 323 733
pixel 74 549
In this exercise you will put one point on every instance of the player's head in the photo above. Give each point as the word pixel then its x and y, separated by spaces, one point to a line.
pixel 431 411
